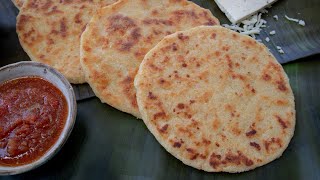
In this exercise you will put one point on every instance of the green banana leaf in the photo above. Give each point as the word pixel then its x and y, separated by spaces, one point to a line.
pixel 109 144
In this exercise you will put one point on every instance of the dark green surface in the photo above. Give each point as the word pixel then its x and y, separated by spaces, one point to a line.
pixel 109 144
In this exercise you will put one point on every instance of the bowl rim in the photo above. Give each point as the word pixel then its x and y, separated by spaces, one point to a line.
pixel 68 127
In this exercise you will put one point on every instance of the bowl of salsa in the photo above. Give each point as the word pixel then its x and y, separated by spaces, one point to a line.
pixel 37 113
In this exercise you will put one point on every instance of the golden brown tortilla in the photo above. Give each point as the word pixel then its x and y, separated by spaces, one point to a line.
pixel 50 31
pixel 118 37
pixel 216 100
pixel 18 3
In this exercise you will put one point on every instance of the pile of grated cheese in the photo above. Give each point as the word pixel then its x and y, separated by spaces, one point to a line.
pixel 253 26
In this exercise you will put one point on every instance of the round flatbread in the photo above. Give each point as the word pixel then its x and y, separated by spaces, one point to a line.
pixel 118 37
pixel 216 100
pixel 18 3
pixel 49 31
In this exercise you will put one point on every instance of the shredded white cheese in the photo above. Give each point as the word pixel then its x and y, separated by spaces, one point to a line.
pixel 280 50
pixel 276 17
pixel 267 39
pixel 291 19
pixel 300 22
pixel 251 26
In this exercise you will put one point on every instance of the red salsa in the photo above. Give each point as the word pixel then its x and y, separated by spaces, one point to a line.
pixel 33 113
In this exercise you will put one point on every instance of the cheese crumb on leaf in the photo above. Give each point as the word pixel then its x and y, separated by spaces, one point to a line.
pixel 300 22
pixel 291 19
pixel 267 39
pixel 280 50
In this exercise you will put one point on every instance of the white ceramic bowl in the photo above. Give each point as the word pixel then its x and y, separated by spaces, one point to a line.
pixel 29 68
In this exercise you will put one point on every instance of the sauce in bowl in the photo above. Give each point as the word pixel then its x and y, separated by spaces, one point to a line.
pixel 33 113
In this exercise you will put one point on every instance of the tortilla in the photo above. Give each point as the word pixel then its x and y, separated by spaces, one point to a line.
pixel 18 3
pixel 118 37
pixel 49 32
pixel 216 100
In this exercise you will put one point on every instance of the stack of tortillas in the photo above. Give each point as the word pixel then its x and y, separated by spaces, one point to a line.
pixel 118 37
pixel 215 99
pixel 50 32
